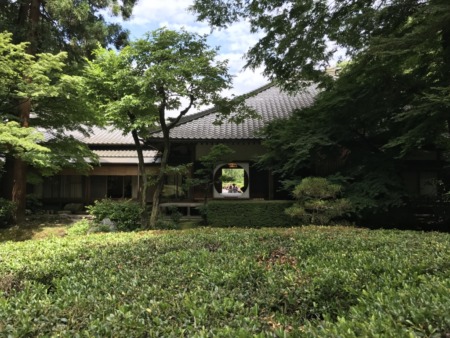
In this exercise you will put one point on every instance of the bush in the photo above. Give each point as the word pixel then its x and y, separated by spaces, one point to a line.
pixel 203 211
pixel 6 212
pixel 79 228
pixel 124 213
pixel 318 201
pixel 252 214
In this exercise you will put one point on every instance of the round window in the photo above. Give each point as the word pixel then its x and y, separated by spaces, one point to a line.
pixel 231 180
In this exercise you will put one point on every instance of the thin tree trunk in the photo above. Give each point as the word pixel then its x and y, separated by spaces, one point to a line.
pixel 166 151
pixel 143 186
pixel 33 32
pixel 160 180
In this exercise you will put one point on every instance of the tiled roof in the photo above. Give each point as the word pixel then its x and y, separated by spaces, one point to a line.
pixel 98 136
pixel 104 136
pixel 269 102
pixel 125 156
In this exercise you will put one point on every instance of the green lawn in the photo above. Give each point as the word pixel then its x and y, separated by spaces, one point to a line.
pixel 310 281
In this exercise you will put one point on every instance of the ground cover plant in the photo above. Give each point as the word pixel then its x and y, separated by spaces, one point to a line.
pixel 39 226
pixel 309 281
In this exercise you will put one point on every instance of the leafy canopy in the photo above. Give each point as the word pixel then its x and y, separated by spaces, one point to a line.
pixel 66 25
pixel 165 71
pixel 300 38
pixel 40 82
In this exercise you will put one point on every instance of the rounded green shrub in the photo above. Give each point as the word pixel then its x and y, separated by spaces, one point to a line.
pixel 125 214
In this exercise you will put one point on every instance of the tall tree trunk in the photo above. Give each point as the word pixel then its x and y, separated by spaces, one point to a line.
pixel 19 184
pixel 19 188
pixel 33 32
pixel 160 180
pixel 166 151
pixel 143 186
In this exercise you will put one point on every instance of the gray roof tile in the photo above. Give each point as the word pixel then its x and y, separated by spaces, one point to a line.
pixel 104 136
pixel 269 102
pixel 97 136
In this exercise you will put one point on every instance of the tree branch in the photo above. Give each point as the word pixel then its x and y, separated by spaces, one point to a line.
pixel 183 112
pixel 162 108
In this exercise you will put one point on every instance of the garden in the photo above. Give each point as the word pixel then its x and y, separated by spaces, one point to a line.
pixel 312 281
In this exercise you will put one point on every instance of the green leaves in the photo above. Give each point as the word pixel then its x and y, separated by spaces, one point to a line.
pixel 66 25
pixel 388 102
pixel 165 71
pixel 125 214
pixel 177 65
pixel 57 102
pixel 25 143
pixel 255 213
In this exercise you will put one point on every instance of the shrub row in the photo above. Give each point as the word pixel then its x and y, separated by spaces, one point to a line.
pixel 252 214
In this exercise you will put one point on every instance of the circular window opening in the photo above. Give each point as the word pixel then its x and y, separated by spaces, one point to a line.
pixel 231 179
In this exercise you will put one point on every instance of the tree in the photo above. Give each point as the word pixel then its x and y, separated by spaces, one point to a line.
pixel 65 25
pixel 54 26
pixel 300 38
pixel 391 98
pixel 23 143
pixel 117 83
pixel 318 201
pixel 40 83
pixel 165 71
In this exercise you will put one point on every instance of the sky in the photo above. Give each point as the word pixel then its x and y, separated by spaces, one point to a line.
pixel 234 42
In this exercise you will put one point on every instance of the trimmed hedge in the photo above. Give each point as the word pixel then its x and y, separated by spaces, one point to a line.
pixel 248 214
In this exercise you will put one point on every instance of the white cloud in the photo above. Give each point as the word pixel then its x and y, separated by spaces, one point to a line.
pixel 246 81
pixel 237 37
pixel 151 12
